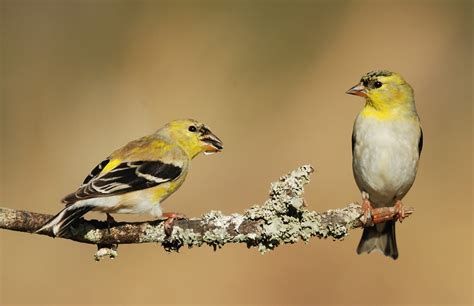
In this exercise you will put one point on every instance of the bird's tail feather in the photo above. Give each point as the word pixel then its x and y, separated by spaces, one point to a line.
pixel 379 237
pixel 61 222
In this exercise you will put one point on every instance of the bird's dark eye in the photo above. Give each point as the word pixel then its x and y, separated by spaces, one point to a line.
pixel 192 128
pixel 377 84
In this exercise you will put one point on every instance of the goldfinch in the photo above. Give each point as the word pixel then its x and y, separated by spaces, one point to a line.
pixel 386 145
pixel 136 178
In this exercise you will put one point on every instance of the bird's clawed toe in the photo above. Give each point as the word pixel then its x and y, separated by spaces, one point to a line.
pixel 400 210
pixel 367 216
pixel 170 218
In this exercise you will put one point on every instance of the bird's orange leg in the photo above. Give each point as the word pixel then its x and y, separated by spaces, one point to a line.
pixel 169 222
pixel 400 211
pixel 367 216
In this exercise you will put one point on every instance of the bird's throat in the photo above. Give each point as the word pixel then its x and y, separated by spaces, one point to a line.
pixel 386 113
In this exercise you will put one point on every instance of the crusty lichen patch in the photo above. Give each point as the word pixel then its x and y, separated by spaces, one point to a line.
pixel 283 218
pixel 105 252
pixel 181 237
pixel 283 214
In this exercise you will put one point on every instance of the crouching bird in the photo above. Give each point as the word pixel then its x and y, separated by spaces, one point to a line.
pixel 136 178
pixel 386 145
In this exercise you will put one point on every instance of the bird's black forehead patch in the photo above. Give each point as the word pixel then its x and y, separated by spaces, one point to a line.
pixel 372 76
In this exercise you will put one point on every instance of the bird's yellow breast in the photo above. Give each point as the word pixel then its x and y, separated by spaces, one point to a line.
pixel 161 192
pixel 383 112
pixel 370 112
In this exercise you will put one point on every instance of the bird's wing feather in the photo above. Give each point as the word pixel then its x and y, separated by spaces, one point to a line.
pixel 96 171
pixel 420 142
pixel 353 140
pixel 125 177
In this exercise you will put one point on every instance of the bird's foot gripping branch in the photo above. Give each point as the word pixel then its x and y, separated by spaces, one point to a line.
pixel 283 218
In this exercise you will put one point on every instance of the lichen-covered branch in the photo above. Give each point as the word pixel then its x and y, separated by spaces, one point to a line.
pixel 283 218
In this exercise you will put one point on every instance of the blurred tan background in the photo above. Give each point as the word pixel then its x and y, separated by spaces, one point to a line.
pixel 81 78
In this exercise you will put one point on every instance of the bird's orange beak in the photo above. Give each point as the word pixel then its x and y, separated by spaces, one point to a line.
pixel 358 90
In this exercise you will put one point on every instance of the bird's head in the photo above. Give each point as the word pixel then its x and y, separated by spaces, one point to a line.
pixel 194 137
pixel 384 90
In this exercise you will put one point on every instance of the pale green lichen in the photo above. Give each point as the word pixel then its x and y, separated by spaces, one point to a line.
pixel 153 233
pixel 211 216
pixel 282 214
pixel 285 218
pixel 243 238
pixel 352 215
pixel 102 253
pixel 92 234
pixel 182 237
pixel 217 233
pixel 220 225
pixel 217 237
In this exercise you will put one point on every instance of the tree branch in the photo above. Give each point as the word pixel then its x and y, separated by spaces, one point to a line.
pixel 283 218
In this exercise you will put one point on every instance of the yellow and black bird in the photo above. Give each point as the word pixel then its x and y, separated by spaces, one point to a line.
pixel 136 178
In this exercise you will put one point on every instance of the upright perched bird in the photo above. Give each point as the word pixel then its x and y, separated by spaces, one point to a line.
pixel 386 145
pixel 137 177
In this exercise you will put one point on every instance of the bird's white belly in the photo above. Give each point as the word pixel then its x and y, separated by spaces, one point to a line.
pixel 132 203
pixel 385 162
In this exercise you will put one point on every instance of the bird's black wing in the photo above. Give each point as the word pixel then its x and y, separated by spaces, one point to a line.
pixel 126 177
pixel 96 171
pixel 420 142
pixel 353 140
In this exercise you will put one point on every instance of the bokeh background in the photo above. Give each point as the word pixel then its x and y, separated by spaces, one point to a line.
pixel 81 78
